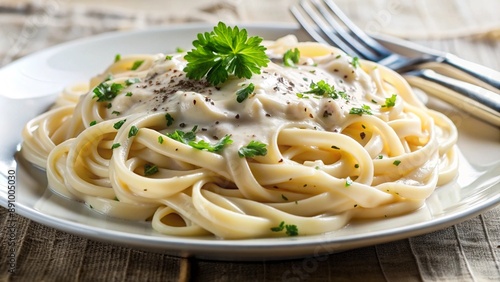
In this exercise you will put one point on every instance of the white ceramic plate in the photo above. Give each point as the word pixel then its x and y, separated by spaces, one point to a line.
pixel 30 84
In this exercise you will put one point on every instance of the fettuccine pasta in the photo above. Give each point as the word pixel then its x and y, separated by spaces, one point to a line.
pixel 143 142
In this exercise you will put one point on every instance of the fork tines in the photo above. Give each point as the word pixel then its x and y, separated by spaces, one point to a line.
pixel 326 23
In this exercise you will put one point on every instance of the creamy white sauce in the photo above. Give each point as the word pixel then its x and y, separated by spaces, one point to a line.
pixel 274 101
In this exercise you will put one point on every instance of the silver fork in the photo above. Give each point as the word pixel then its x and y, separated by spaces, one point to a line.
pixel 319 20
pixel 355 41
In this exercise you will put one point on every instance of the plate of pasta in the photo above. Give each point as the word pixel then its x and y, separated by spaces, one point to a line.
pixel 234 143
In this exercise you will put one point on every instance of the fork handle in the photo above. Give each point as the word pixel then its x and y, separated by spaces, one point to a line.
pixel 483 73
pixel 480 102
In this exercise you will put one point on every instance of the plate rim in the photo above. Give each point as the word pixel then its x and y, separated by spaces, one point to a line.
pixel 253 247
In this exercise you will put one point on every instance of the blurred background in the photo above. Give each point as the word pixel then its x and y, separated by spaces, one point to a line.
pixel 29 25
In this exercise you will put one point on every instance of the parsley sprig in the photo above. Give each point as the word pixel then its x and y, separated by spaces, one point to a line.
pixel 225 51
pixel 254 148
pixel 390 102
pixel 365 109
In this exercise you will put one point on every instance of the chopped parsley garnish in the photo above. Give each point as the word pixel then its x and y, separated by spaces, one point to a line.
pixel 131 81
pixel 115 145
pixel 160 139
pixel 284 197
pixel 324 89
pixel 302 96
pixel 119 124
pixel 291 230
pixel 380 157
pixel 183 137
pixel 150 169
pixel 225 51
pixel 109 105
pixel 243 93
pixel 291 57
pixel 348 182
pixel 92 123
pixel 356 166
pixel 355 62
pixel 179 50
pixel 129 94
pixel 190 136
pixel 168 57
pixel 106 92
pixel 254 148
pixel 365 109
pixel 115 113
pixel 118 57
pixel 137 64
pixel 396 162
pixel 390 102
pixel 203 145
pixel 133 131
pixel 170 119
pixel 335 147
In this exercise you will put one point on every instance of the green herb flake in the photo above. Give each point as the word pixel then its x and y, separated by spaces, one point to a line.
pixel 160 139
pixel 131 81
pixel 355 62
pixel 390 102
pixel 116 113
pixel 278 228
pixel 168 57
pixel 243 93
pixel 150 169
pixel 170 119
pixel 119 124
pixel 133 131
pixel 225 51
pixel 284 197
pixel 137 64
pixel 118 57
pixel 254 148
pixel 291 57
pixel 348 182
pixel 365 109
pixel 335 147
pixel 129 94
pixel 115 145
pixel 179 50
pixel 396 162
pixel 183 137
pixel 322 88
pixel 203 145
pixel 92 123
pixel 356 166
pixel 290 229
pixel 105 92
